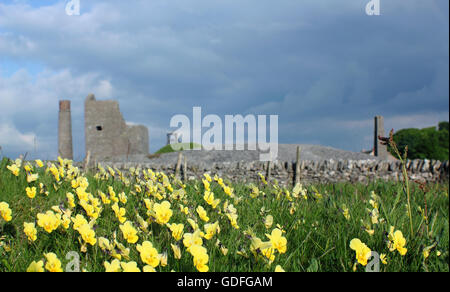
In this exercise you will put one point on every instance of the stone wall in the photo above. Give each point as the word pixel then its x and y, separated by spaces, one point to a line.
pixel 327 171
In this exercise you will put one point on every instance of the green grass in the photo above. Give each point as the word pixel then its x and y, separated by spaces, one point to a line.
pixel 317 233
pixel 184 146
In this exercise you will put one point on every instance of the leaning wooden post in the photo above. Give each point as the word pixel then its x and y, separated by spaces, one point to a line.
pixel 269 166
pixel 177 168
pixel 185 170
pixel 86 163
pixel 297 167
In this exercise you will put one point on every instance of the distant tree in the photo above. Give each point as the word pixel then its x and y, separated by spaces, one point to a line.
pixel 430 143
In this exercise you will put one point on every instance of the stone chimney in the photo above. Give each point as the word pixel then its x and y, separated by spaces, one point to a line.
pixel 65 149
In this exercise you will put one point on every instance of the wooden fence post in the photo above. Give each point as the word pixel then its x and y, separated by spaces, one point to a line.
pixel 177 168
pixel 297 167
pixel 185 170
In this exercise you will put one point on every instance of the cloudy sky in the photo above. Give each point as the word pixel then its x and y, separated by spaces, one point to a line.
pixel 325 68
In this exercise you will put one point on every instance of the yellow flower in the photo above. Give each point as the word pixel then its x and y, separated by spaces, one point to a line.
pixel 176 251
pixel 345 212
pixel 130 267
pixel 32 177
pixel 383 259
pixel 129 232
pixel 148 269
pixel 206 185
pixel 177 230
pixel 87 234
pixel 397 241
pixel 190 239
pixel 362 251
pixel 268 221
pixel 228 191
pixel 163 259
pixel 70 200
pixel 30 231
pixel 104 198
pixel 263 179
pixel 39 163
pixel 233 220
pixel 49 221
pixel 211 230
pixel 114 266
pixel 5 211
pixel 208 178
pixel 278 241
pixel 255 191
pixel 278 268
pixel 184 209
pixel 193 224
pixel 78 221
pixel 200 258
pixel 120 212
pixel 52 263
pixel 36 267
pixel 123 198
pixel 28 167
pixel 223 249
pixel 162 212
pixel 14 169
pixel 202 213
pixel 104 244
pixel 31 192
pixel 149 254
pixel 65 222
pixel 209 199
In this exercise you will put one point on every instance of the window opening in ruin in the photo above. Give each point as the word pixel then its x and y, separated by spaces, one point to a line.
pixel 99 128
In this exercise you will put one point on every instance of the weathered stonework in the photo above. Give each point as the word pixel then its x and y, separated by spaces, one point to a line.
pixel 106 133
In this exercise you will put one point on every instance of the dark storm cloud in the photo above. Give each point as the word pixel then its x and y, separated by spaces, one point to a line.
pixel 325 67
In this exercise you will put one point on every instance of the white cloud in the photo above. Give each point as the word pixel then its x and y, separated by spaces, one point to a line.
pixel 10 137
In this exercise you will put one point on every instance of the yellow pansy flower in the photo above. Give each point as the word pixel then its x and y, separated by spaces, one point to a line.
pixel 52 263
pixel 30 231
pixel 149 254
pixel 129 232
pixel 114 266
pixel 129 267
pixel 163 212
pixel 202 213
pixel 31 192
pixel 36 267
pixel 278 241
pixel 5 211
pixel 362 251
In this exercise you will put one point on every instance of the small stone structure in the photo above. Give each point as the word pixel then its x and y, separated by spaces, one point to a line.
pixel 65 148
pixel 173 137
pixel 107 134
pixel 380 150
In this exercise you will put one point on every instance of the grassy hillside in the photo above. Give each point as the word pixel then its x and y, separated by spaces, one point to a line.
pixel 172 147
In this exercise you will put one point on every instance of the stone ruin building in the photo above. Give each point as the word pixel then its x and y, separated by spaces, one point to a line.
pixel 106 132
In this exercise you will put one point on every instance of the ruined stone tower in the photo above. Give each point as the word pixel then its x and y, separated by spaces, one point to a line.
pixel 380 150
pixel 106 133
pixel 65 149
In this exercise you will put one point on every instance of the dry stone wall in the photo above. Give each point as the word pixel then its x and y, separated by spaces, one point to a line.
pixel 326 171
